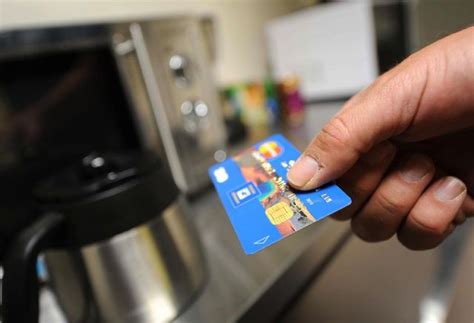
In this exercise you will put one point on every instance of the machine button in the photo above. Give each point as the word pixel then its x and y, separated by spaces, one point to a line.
pixel 179 66
pixel 201 109
pixel 187 107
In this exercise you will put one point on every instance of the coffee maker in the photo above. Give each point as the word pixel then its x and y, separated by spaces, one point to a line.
pixel 101 128
pixel 117 243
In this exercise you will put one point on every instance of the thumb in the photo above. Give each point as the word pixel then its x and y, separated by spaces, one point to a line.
pixel 383 110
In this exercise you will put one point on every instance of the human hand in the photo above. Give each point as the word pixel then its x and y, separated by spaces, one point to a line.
pixel 403 148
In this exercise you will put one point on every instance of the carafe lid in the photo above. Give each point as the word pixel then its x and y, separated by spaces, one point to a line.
pixel 105 194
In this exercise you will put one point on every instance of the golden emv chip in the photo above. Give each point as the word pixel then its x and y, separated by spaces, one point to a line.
pixel 279 213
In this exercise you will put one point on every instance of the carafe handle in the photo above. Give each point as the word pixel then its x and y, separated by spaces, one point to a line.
pixel 20 283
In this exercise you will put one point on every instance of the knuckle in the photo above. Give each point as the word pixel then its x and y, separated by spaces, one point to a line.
pixel 431 228
pixel 390 204
pixel 336 133
pixel 338 130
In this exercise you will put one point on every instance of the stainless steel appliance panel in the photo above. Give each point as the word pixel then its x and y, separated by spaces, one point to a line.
pixel 147 274
pixel 176 71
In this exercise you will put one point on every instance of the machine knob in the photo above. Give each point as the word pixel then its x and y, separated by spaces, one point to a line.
pixel 179 66
pixel 201 109
pixel 187 107
pixel 194 115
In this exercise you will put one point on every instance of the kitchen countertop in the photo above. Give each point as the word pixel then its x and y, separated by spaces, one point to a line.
pixel 257 288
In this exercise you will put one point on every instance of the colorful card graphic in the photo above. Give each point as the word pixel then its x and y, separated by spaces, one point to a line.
pixel 261 206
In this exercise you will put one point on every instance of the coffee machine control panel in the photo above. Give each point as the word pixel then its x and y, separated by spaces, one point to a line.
pixel 183 98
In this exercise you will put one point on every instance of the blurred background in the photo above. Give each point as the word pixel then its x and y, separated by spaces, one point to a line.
pixel 258 44
pixel 192 81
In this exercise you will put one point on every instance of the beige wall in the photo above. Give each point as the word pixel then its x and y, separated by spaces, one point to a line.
pixel 239 38
pixel 435 19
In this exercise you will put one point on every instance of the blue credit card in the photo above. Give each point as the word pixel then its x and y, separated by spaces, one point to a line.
pixel 262 208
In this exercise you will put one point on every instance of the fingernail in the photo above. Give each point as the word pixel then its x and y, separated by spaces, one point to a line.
pixel 302 171
pixel 415 168
pixel 449 189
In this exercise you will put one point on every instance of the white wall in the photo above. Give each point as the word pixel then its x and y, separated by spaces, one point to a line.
pixel 239 39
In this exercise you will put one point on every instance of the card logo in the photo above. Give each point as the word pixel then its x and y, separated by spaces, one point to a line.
pixel 270 149
pixel 244 194
pixel 220 174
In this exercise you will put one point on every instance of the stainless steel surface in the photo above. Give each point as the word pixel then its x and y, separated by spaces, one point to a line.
pixel 157 105
pixel 70 295
pixel 135 88
pixel 147 274
pixel 175 68
pixel 51 310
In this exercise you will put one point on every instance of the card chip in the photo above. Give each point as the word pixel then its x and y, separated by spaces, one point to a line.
pixel 279 213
